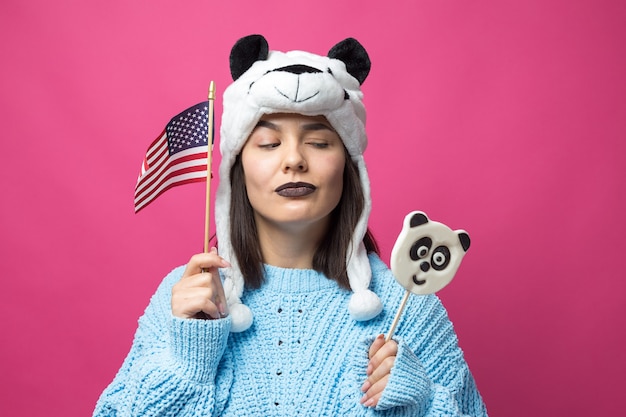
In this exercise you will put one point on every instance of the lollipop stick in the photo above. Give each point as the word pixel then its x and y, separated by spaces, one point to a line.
pixel 398 314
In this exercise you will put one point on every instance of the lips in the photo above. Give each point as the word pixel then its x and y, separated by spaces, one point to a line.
pixel 295 189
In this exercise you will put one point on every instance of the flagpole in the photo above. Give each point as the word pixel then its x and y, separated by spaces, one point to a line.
pixel 209 157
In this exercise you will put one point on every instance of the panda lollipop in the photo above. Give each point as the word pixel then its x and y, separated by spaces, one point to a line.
pixel 425 257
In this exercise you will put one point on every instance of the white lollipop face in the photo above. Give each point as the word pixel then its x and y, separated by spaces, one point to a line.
pixel 427 254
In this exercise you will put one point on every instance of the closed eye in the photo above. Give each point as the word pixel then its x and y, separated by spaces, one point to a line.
pixel 269 145
pixel 319 145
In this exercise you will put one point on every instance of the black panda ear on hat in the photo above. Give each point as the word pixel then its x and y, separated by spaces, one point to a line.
pixel 246 52
pixel 354 55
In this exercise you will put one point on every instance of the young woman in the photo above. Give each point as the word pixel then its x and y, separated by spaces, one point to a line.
pixel 288 318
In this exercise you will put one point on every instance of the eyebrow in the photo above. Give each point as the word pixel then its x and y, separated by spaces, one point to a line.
pixel 308 127
pixel 317 126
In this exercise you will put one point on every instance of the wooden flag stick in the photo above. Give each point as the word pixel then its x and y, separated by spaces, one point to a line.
pixel 398 314
pixel 209 156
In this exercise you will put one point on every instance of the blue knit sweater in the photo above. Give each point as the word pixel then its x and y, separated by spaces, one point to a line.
pixel 303 356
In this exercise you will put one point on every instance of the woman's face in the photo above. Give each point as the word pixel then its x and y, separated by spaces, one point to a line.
pixel 293 168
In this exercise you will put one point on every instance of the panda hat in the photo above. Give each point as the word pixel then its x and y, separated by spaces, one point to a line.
pixel 295 82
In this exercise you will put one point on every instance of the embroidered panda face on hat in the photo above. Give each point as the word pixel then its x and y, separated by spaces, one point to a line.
pixel 295 82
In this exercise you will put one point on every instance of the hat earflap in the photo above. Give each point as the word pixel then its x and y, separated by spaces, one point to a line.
pixel 364 304
pixel 240 314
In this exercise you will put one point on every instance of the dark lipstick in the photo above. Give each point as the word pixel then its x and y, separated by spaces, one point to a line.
pixel 295 189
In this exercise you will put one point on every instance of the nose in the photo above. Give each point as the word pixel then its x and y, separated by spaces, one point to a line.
pixel 424 266
pixel 298 69
pixel 294 159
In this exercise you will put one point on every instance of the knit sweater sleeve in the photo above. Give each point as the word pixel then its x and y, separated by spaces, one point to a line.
pixel 172 366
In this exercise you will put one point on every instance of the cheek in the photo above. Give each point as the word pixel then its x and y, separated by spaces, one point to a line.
pixel 335 178
pixel 252 175
pixel 333 164
pixel 256 170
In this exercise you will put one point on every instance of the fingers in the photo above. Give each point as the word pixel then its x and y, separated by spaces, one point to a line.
pixel 382 358
pixel 376 345
pixel 219 296
pixel 187 302
pixel 374 393
pixel 386 351
pixel 205 262
pixel 200 293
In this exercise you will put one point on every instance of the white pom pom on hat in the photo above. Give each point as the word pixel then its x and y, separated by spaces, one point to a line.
pixel 295 82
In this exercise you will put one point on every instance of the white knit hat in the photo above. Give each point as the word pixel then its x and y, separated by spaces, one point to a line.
pixel 308 84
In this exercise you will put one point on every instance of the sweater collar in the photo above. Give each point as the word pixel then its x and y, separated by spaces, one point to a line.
pixel 288 280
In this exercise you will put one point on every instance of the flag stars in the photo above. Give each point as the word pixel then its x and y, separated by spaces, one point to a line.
pixel 188 130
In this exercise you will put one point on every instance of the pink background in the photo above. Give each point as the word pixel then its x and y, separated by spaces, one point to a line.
pixel 505 118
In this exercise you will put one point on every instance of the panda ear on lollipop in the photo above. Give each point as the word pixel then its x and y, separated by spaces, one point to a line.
pixel 418 218
pixel 464 239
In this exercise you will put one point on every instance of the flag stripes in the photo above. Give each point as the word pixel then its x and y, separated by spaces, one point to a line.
pixel 177 156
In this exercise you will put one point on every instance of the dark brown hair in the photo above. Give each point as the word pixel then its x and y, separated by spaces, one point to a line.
pixel 330 256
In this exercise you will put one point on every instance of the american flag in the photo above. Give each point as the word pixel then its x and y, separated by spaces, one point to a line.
pixel 177 156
